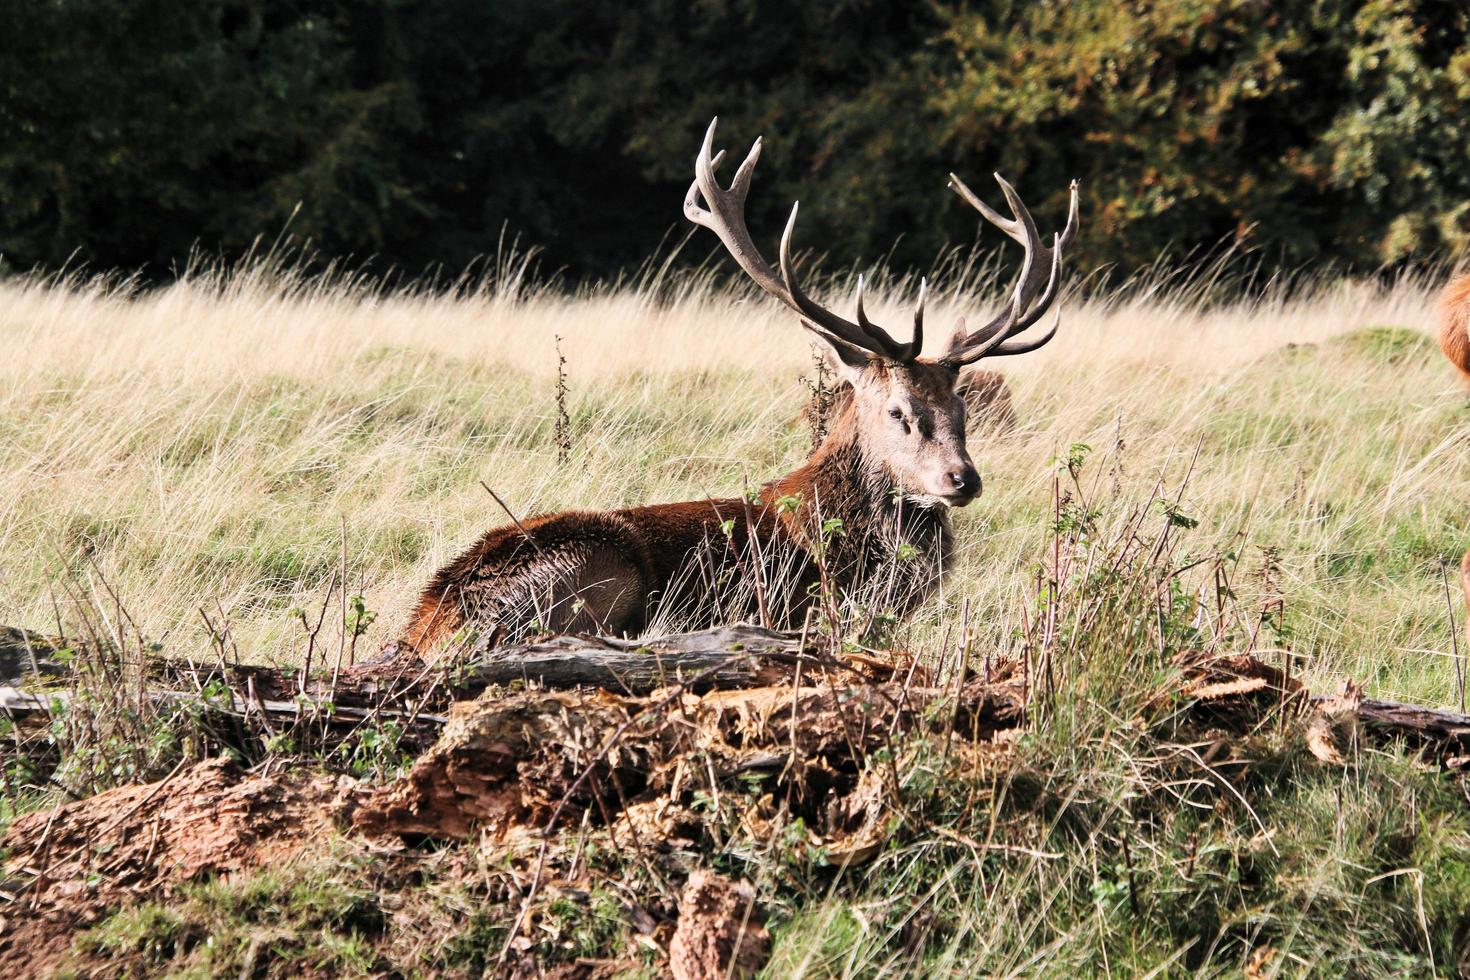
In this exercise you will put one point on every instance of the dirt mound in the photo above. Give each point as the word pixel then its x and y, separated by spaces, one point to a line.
pixel 67 865
pixel 660 776
pixel 653 769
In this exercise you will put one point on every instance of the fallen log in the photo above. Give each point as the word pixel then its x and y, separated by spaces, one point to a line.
pixel 1446 732
pixel 416 695
pixel 726 656
pixel 1231 681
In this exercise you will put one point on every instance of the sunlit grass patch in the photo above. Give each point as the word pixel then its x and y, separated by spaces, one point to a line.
pixel 315 919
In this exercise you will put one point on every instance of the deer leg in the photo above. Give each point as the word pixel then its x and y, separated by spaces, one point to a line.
pixel 574 588
pixel 602 593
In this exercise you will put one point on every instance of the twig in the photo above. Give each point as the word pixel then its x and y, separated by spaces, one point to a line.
pixel 513 519
pixel 973 844
pixel 962 658
pixel 1456 664
pixel 342 624
pixel 752 541
pixel 313 632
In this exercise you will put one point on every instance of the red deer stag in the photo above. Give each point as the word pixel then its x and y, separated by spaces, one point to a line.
pixel 1454 324
pixel 868 509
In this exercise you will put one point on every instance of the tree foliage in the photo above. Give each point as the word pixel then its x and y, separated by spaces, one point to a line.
pixel 411 133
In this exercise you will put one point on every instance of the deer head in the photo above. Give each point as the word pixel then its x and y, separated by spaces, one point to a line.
pixel 906 416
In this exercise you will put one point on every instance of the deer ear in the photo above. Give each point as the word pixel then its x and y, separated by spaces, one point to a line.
pixel 845 360
pixel 958 335
pixel 957 338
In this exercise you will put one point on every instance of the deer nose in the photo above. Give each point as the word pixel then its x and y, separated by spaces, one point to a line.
pixel 965 480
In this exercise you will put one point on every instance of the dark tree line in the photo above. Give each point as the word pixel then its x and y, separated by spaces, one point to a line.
pixel 409 133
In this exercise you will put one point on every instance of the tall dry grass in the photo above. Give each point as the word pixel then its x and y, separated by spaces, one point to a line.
pixel 221 442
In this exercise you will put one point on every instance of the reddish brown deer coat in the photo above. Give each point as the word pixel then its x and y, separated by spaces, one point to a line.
pixel 1454 324
pixel 611 571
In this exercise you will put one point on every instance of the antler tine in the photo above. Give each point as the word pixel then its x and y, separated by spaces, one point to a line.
pixel 1024 346
pixel 1030 238
pixel 862 318
pixel 1010 227
pixel 997 344
pixel 907 351
pixel 1025 307
pixel 916 345
pixel 872 337
pixel 991 339
pixel 1022 229
pixel 724 214
pixel 1070 232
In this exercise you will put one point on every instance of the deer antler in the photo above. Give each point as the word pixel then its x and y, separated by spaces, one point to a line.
pixel 1040 272
pixel 724 214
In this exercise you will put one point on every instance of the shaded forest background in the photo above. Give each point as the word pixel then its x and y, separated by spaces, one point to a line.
pixel 412 133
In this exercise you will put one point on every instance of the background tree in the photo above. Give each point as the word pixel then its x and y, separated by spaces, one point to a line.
pixel 410 133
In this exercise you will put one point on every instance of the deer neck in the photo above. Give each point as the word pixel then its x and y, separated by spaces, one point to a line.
pixel 840 481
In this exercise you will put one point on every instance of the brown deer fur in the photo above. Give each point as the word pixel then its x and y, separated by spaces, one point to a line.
pixel 1465 589
pixel 1454 324
pixel 610 571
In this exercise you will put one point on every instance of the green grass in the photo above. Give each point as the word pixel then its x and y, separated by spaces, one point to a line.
pixel 1337 873
pixel 293 922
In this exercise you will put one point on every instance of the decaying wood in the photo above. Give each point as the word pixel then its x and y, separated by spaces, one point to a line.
pixel 419 696
pixel 655 753
pixel 721 933
pixel 537 756
pixel 1240 679
pixel 1446 732
pixel 205 818
pixel 723 657
pixel 25 655
pixel 726 656
pixel 416 697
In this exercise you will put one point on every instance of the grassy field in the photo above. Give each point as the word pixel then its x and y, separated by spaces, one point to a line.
pixel 232 443
pixel 208 445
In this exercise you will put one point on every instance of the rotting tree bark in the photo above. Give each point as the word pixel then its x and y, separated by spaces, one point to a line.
pixel 1233 680
pixel 723 657
pixel 727 657
pixel 539 757
pixel 26 654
